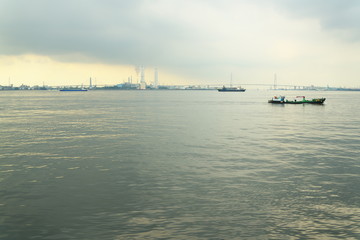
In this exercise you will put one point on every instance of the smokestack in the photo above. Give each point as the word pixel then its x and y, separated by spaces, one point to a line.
pixel 142 80
pixel 142 75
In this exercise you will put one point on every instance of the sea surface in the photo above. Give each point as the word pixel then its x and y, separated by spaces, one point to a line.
pixel 178 165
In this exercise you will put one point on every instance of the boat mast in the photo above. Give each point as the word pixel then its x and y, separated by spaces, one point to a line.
pixel 275 81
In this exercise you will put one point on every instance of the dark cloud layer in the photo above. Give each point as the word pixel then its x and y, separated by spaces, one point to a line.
pixel 335 15
pixel 119 32
pixel 113 30
pixel 168 33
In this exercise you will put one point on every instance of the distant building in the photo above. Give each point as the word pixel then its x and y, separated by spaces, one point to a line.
pixel 24 87
pixel 127 86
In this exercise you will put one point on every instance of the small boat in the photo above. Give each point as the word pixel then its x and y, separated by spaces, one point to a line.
pixel 231 89
pixel 297 100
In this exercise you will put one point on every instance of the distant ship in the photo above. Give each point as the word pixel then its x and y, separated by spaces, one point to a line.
pixel 73 90
pixel 231 89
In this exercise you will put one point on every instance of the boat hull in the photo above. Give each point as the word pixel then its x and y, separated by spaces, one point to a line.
pixel 73 90
pixel 313 101
pixel 231 90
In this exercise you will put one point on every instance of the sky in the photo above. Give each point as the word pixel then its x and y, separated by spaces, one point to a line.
pixel 65 42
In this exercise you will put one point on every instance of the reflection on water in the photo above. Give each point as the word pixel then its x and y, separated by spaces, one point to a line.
pixel 178 164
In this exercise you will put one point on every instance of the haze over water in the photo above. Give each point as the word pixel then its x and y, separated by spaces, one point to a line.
pixel 178 165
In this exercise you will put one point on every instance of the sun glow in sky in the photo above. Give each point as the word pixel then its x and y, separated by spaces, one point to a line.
pixel 190 42
pixel 43 70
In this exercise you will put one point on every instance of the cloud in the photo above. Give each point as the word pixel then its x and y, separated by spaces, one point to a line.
pixel 202 39
pixel 333 15
pixel 112 29
pixel 174 34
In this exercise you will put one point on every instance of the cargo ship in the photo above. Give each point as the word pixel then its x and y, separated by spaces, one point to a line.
pixel 231 89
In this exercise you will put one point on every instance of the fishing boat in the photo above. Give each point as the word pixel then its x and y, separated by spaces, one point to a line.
pixel 231 89
pixel 297 100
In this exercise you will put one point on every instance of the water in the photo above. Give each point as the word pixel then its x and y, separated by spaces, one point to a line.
pixel 178 165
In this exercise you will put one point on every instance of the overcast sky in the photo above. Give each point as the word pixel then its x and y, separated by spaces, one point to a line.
pixel 190 41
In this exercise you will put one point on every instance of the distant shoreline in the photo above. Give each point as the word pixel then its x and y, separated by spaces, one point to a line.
pixel 135 87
